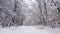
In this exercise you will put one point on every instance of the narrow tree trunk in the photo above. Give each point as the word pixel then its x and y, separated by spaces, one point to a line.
pixel 40 8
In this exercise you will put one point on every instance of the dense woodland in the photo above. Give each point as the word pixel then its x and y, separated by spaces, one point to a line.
pixel 30 13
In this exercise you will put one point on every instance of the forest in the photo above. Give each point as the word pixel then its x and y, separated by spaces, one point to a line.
pixel 30 13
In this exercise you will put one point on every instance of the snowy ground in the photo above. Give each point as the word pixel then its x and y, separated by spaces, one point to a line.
pixel 29 30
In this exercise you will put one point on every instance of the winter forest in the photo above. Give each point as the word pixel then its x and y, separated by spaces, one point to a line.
pixel 30 13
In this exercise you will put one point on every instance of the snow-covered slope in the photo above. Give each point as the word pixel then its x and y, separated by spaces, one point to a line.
pixel 28 30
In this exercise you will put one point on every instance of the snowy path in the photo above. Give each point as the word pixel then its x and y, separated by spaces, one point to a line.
pixel 28 30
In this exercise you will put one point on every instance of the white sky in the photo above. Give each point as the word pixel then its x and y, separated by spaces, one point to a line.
pixel 29 2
